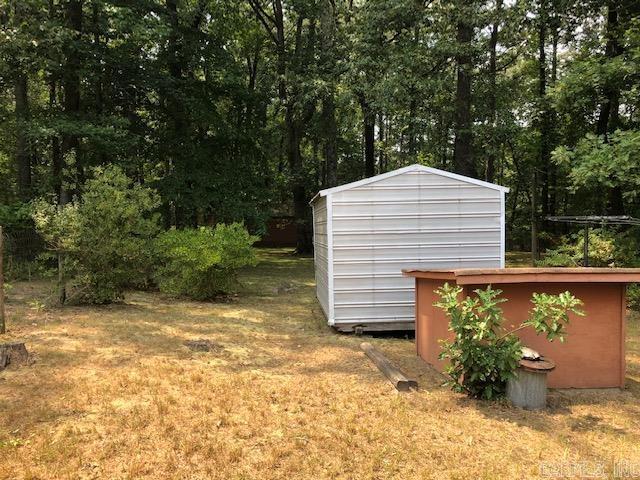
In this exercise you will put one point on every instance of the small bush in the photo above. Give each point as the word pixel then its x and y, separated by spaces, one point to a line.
pixel 15 215
pixel 27 270
pixel 202 263
pixel 483 355
pixel 633 296
pixel 606 249
pixel 105 236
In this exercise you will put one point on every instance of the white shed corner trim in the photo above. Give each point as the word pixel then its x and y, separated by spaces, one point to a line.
pixel 366 232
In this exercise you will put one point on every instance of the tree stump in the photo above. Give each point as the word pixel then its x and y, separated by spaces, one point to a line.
pixel 529 388
pixel 13 354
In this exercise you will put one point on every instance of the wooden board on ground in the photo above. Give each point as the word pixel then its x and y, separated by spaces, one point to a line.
pixel 393 373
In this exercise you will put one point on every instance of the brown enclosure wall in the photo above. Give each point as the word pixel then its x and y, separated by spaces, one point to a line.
pixel 281 232
pixel 592 355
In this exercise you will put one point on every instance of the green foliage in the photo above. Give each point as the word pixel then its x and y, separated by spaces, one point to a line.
pixel 15 215
pixel 202 263
pixel 59 225
pixel 26 270
pixel 480 363
pixel 606 249
pixel 106 235
pixel 230 121
pixel 633 296
pixel 596 162
pixel 550 314
pixel 483 355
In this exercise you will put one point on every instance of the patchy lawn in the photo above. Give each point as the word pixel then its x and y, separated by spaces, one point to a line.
pixel 115 393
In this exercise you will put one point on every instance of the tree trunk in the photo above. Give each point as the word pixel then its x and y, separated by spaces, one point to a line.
pixel 369 128
pixel 463 162
pixel 56 154
pixel 544 150
pixel 490 171
pixel 535 254
pixel 609 115
pixel 294 127
pixel 174 108
pixel 382 131
pixel 300 206
pixel 330 131
pixel 70 143
pixel 328 113
pixel 71 88
pixel 545 124
pixel 23 153
pixel 304 243
pixel 553 171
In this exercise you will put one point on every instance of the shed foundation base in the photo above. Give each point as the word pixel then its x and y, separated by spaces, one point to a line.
pixel 374 327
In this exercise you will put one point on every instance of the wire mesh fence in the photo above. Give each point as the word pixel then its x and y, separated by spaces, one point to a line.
pixel 22 246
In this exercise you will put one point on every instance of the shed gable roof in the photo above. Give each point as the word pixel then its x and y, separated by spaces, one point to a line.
pixel 410 168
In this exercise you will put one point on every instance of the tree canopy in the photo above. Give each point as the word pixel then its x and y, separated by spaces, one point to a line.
pixel 237 110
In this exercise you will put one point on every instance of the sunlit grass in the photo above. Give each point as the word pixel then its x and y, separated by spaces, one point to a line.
pixel 115 393
pixel 518 259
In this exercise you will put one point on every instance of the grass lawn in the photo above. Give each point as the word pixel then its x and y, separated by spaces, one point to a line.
pixel 114 393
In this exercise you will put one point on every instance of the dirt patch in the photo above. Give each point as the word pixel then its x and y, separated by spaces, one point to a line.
pixel 203 345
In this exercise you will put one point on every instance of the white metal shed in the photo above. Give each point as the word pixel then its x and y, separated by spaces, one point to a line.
pixel 366 232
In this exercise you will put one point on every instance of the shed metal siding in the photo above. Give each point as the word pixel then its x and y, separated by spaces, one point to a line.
pixel 321 253
pixel 413 219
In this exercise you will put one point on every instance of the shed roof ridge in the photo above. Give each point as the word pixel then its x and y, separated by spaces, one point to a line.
pixel 411 168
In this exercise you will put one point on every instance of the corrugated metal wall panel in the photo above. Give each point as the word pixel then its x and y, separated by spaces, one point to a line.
pixel 321 253
pixel 400 252
pixel 411 220
pixel 414 236
pixel 415 192
pixel 412 207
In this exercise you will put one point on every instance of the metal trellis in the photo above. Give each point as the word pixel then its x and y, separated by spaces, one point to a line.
pixel 588 220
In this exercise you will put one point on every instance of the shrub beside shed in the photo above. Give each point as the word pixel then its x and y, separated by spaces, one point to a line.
pixel 367 232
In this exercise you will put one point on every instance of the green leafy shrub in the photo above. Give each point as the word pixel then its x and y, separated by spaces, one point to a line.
pixel 483 355
pixel 202 263
pixel 570 252
pixel 105 236
pixel 15 215
pixel 633 296
pixel 606 249
pixel 27 270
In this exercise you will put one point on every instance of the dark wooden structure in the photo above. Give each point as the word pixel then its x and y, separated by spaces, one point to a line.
pixel 281 232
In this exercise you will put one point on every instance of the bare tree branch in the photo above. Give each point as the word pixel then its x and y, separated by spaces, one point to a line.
pixel 264 18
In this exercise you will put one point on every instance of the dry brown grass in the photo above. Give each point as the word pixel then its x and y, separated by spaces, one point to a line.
pixel 114 393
